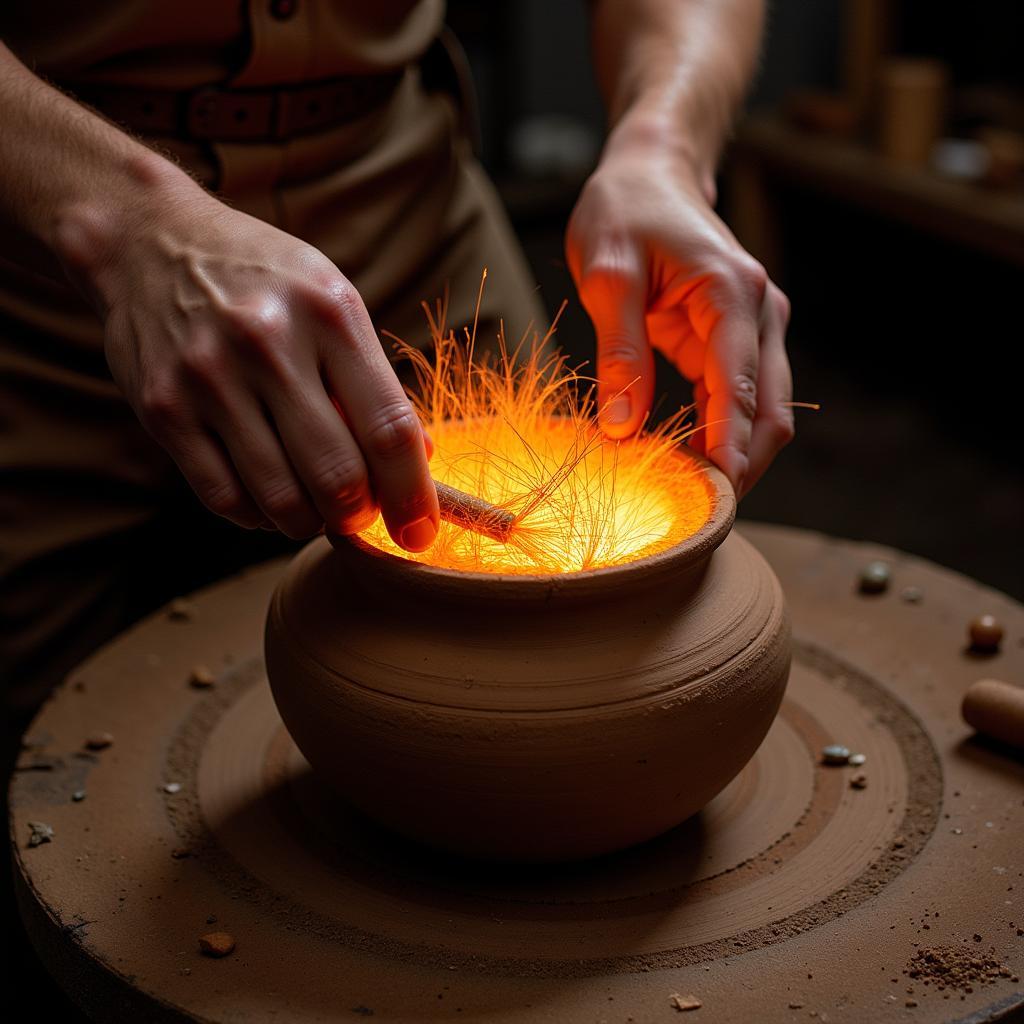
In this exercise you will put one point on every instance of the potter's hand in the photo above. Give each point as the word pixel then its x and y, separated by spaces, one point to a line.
pixel 656 268
pixel 233 341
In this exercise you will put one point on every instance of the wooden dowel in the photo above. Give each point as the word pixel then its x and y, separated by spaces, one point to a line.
pixel 473 513
pixel 996 709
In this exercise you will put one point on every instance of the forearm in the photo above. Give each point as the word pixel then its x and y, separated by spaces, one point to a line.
pixel 675 70
pixel 70 179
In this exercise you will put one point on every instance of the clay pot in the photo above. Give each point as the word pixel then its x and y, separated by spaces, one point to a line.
pixel 524 717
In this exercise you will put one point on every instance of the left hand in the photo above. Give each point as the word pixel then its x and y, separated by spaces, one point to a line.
pixel 656 268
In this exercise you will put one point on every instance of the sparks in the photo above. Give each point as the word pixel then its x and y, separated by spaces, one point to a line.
pixel 520 431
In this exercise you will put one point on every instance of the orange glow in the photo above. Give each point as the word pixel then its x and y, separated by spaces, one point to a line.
pixel 520 431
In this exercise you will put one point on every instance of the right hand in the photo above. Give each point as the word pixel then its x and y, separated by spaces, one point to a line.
pixel 238 345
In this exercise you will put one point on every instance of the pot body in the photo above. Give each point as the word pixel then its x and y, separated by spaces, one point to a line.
pixel 545 729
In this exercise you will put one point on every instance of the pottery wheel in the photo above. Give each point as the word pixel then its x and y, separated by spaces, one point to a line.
pixel 794 894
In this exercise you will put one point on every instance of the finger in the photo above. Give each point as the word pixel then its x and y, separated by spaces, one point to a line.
pixel 211 475
pixel 731 371
pixel 265 470
pixel 613 294
pixel 698 439
pixel 323 452
pixel 670 332
pixel 773 426
pixel 382 421
pixel 169 416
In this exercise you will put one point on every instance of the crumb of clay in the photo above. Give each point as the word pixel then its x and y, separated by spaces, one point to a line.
pixel 78 796
pixel 201 678
pixel 835 754
pixel 796 1006
pixel 911 1003
pixel 859 781
pixel 216 944
pixel 180 853
pixel 40 833
pixel 956 967
pixel 874 578
pixel 180 610
pixel 99 741
pixel 899 842
pixel 683 1003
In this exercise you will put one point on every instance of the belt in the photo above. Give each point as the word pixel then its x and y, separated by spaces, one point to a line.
pixel 217 114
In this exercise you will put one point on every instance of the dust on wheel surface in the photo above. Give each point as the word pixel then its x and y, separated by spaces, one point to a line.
pixel 792 887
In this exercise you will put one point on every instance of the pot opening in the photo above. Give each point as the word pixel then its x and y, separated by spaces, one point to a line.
pixel 519 429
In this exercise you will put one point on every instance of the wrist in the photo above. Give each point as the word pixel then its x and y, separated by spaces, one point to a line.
pixel 660 133
pixel 92 232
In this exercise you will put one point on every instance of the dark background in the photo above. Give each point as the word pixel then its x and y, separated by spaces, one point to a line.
pixel 909 341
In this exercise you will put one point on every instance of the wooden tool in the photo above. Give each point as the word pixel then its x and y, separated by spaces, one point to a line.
pixel 473 513
pixel 996 709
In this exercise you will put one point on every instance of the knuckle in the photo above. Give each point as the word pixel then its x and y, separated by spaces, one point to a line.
pixel 745 393
pixel 282 501
pixel 782 428
pixel 617 355
pixel 161 407
pixel 262 328
pixel 395 433
pixel 202 362
pixel 223 498
pixel 609 274
pixel 782 305
pixel 745 280
pixel 338 303
pixel 342 481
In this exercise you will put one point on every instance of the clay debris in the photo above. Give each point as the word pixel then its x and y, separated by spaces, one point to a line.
pixel 956 967
pixel 216 944
pixel 180 610
pixel 201 678
pixel 683 1003
pixel 98 741
pixel 39 833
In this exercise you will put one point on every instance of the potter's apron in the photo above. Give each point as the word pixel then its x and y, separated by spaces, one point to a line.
pixel 96 524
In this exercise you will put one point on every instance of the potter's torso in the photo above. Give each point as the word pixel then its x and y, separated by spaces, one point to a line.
pixel 199 42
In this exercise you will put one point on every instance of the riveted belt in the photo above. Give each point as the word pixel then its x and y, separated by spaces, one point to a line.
pixel 219 114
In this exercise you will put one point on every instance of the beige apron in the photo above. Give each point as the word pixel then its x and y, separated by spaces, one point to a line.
pixel 96 525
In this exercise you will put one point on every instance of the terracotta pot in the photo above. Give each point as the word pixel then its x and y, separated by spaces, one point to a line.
pixel 525 717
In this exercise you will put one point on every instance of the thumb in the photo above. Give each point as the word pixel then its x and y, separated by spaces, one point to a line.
pixel 614 295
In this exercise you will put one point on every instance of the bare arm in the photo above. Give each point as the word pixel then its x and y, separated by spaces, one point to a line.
pixel 232 340
pixel 655 267
pixel 676 71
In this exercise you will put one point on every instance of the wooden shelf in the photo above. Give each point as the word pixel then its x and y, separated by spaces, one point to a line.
pixel 766 147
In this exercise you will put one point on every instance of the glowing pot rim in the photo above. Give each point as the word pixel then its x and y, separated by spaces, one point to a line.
pixel 393 575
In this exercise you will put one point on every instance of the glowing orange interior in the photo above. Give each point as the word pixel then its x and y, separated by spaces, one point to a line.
pixel 520 431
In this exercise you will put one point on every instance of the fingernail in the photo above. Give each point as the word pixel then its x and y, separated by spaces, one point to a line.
pixel 419 535
pixel 617 411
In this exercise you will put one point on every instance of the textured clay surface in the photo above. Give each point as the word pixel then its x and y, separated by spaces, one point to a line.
pixel 557 728
pixel 791 894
